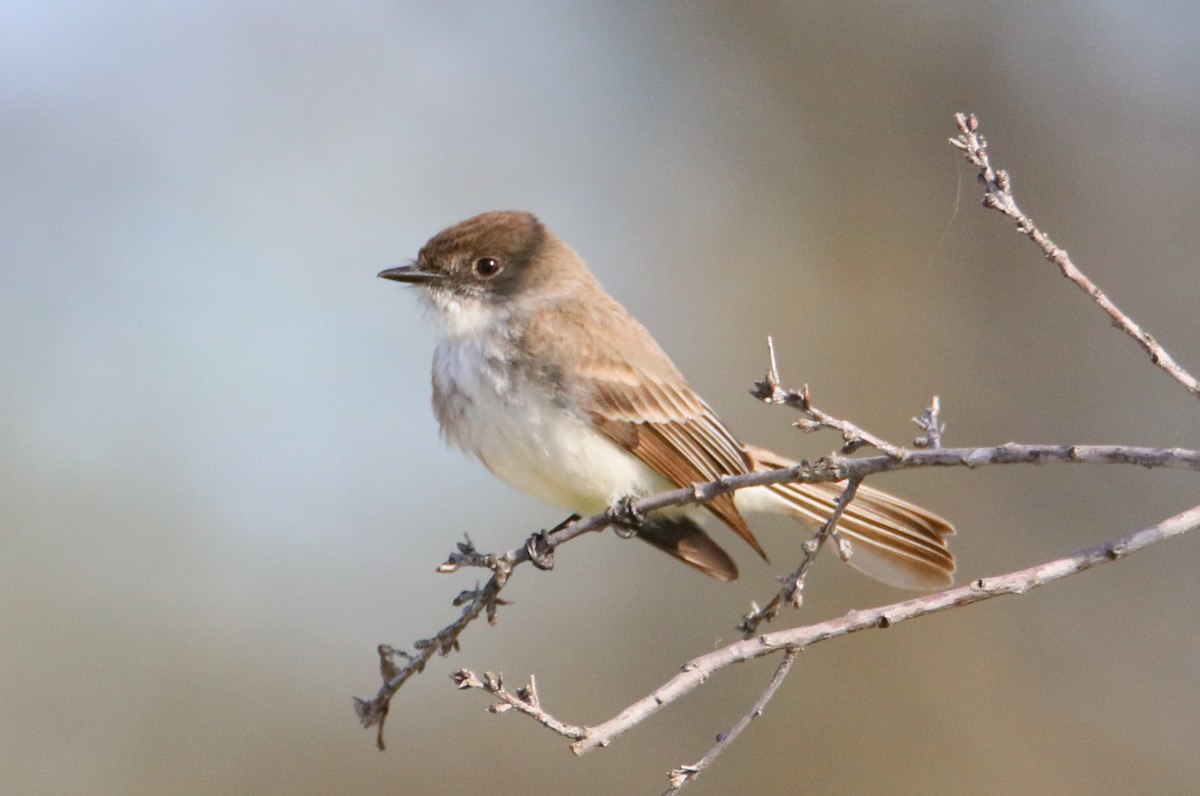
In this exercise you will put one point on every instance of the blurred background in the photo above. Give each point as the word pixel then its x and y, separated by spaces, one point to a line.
pixel 222 485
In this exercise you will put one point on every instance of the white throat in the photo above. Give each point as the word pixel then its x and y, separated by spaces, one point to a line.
pixel 462 319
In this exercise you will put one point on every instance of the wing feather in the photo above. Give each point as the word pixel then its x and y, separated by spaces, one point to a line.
pixel 635 396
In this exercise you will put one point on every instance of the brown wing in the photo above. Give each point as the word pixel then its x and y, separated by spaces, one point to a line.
pixel 668 427
pixel 632 392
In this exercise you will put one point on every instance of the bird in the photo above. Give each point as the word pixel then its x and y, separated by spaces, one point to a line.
pixel 559 391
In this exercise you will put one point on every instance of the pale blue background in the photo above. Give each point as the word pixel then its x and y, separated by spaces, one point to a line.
pixel 221 484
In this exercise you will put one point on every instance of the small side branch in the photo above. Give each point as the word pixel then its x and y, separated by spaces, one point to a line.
pixel 685 774
pixel 769 391
pixel 998 195
pixel 931 423
pixel 524 700
pixel 792 593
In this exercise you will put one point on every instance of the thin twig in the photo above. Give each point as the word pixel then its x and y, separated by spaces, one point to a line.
pixel 524 700
pixel 373 712
pixel 792 593
pixel 997 187
pixel 687 773
pixel 931 423
pixel 769 391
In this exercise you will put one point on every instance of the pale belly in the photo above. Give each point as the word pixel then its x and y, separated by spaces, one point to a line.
pixel 527 439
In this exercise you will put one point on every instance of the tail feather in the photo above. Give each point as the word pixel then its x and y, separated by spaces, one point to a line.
pixel 891 540
pixel 687 541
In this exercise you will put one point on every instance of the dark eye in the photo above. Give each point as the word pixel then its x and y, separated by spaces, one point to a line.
pixel 487 266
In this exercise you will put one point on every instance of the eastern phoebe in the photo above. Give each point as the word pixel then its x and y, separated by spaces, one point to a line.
pixel 558 390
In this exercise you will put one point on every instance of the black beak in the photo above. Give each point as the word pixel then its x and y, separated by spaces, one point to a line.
pixel 411 274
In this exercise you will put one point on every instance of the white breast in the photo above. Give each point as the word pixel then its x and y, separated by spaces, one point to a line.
pixel 524 436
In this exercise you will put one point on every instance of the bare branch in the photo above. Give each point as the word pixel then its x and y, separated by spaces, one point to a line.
pixel 794 640
pixel 997 187
pixel 485 600
pixel 373 712
pixel 697 670
pixel 839 468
